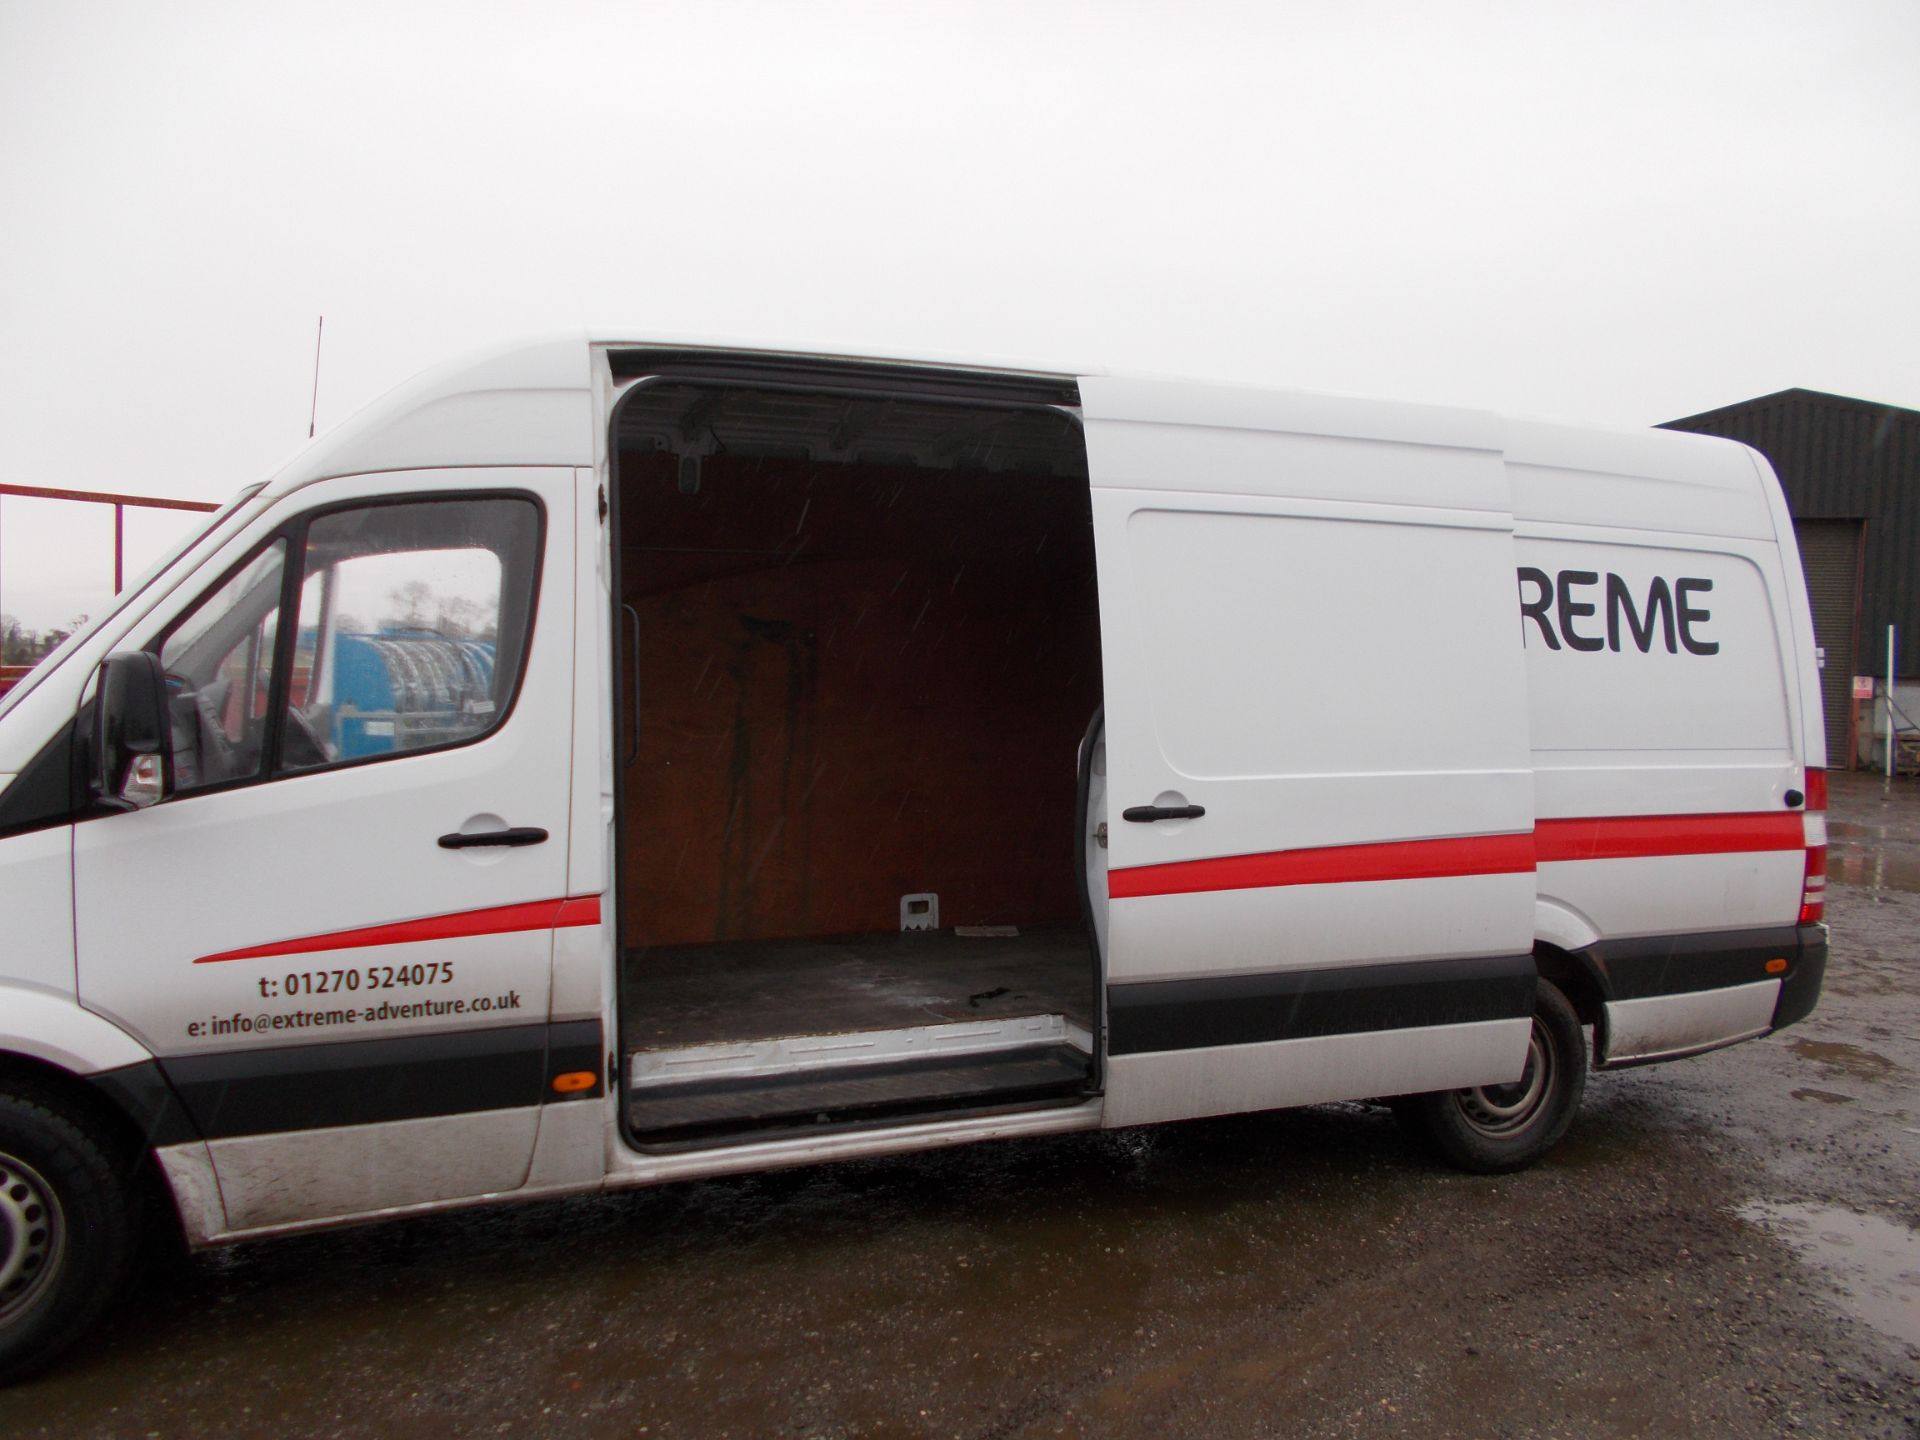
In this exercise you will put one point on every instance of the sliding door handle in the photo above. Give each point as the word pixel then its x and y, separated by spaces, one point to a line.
pixel 520 835
pixel 633 734
pixel 1146 814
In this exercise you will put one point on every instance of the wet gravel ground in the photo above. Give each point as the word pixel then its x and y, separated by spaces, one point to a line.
pixel 1722 1246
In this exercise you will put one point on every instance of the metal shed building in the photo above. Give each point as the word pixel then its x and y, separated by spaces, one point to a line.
pixel 1851 471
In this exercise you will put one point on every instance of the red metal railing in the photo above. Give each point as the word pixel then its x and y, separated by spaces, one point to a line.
pixel 10 675
pixel 119 504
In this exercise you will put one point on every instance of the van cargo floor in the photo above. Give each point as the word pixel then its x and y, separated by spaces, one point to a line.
pixel 682 995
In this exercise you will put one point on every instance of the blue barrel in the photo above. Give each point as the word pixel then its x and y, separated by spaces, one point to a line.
pixel 404 690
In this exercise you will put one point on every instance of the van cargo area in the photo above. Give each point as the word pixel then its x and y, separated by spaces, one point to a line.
pixel 859 647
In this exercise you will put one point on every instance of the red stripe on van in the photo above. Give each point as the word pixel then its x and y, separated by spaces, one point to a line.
pixel 1600 838
pixel 1620 837
pixel 499 920
pixel 1330 865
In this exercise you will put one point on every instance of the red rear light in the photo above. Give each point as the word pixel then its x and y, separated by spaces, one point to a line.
pixel 1813 897
pixel 1813 893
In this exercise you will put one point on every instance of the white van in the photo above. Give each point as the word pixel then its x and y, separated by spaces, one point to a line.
pixel 606 762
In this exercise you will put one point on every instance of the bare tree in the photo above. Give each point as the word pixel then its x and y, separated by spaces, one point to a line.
pixel 16 645
pixel 411 604
pixel 461 619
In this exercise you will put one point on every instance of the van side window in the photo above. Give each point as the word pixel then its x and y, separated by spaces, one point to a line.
pixel 219 665
pixel 412 624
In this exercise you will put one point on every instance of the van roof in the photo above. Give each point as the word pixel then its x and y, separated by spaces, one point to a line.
pixel 531 402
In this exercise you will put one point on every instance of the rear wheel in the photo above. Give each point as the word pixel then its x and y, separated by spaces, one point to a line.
pixel 1490 1129
pixel 66 1231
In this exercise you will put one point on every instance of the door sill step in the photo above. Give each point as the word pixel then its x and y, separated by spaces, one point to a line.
pixel 714 1090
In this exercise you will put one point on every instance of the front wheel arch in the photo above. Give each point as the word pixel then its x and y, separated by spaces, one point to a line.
pixel 77 1095
pixel 124 1133
pixel 70 1223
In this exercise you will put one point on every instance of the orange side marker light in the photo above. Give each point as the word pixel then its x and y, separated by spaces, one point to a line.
pixel 1774 967
pixel 572 1082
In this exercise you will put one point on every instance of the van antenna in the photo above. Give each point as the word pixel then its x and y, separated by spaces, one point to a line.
pixel 313 414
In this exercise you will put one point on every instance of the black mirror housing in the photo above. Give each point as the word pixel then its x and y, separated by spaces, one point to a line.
pixel 130 720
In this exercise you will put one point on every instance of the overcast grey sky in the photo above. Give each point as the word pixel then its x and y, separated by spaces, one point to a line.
pixel 1622 212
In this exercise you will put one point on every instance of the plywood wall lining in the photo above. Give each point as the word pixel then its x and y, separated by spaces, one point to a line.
pixel 857 682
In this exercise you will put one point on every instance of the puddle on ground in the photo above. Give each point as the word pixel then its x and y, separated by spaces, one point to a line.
pixel 1847 1059
pixel 1825 1097
pixel 1874 869
pixel 1874 1263
pixel 1853 831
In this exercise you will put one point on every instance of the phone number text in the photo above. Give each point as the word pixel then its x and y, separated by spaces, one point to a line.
pixel 353 979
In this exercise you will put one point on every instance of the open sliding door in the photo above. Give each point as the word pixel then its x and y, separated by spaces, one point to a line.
pixel 1320 810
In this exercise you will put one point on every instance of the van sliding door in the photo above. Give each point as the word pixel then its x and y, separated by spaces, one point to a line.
pixel 1318 796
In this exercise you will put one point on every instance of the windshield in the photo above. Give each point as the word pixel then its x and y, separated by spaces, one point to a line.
pixel 58 655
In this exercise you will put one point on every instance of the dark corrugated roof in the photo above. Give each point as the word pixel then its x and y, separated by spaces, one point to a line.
pixel 1839 458
pixel 1796 393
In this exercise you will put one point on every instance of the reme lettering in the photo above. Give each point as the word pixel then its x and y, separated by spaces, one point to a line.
pixel 1668 607
pixel 1688 615
pixel 1659 606
pixel 1536 609
pixel 1571 608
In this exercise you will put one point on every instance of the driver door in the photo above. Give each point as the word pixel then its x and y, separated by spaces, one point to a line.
pixel 348 992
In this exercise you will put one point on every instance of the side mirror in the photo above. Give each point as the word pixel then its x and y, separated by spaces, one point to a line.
pixel 130 766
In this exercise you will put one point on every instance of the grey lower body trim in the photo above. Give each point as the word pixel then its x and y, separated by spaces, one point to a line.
pixel 274 1180
pixel 1276 1074
pixel 196 1193
pixel 1670 1027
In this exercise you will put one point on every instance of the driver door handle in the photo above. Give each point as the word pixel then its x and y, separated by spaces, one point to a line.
pixel 520 835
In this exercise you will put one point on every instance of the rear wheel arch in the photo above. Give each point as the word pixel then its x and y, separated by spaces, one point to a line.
pixel 1574 974
pixel 1494 1129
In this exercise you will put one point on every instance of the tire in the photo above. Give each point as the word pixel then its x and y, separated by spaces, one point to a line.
pixel 1493 1129
pixel 67 1231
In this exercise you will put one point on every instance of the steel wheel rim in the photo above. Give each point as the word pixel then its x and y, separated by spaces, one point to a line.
pixel 1500 1110
pixel 33 1235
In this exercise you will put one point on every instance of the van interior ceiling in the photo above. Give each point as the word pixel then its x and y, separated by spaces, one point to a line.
pixel 866 635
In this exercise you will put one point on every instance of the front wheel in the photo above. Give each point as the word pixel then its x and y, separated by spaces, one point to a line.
pixel 1491 1129
pixel 66 1231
